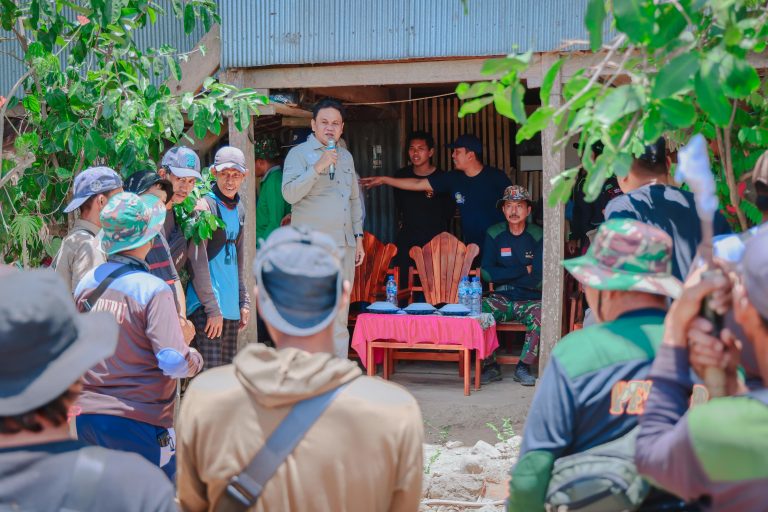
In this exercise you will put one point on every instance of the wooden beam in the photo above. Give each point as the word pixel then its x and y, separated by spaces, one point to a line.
pixel 366 94
pixel 289 111
pixel 242 141
pixel 199 67
pixel 207 143
pixel 387 73
pixel 296 122
pixel 554 237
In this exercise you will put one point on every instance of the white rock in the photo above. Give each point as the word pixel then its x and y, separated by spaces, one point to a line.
pixel 483 448
pixel 515 441
pixel 472 464
pixel 454 444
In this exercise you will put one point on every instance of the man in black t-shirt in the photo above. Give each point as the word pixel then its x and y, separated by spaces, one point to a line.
pixel 649 198
pixel 420 215
pixel 46 347
pixel 475 188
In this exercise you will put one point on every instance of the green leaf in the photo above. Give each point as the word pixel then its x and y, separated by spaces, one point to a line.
pixel 596 177
pixel 510 63
pixel 675 76
pixel 618 103
pixel 189 18
pixel 635 18
pixel 549 80
pixel 594 21
pixel 669 24
pixel 475 105
pixel 710 96
pixel 739 77
pixel 535 123
pixel 562 185
pixel 652 126
pixel 174 66
pixel 31 103
pixel 509 102
pixel 677 113
pixel 186 100
pixel 466 91
pixel 622 164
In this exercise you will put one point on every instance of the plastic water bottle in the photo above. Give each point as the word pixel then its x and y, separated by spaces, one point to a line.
pixel 477 297
pixel 392 291
pixel 464 292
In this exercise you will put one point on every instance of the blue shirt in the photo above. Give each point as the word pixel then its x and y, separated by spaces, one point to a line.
pixel 223 269
pixel 476 198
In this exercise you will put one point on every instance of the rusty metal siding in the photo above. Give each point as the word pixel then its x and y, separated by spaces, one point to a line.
pixel 290 32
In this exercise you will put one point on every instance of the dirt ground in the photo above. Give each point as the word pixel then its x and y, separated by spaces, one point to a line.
pixel 448 414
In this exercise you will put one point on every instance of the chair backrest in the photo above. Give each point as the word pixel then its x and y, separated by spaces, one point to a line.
pixel 369 277
pixel 440 265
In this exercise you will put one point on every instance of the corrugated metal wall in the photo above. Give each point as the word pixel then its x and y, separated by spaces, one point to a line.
pixel 168 30
pixel 278 32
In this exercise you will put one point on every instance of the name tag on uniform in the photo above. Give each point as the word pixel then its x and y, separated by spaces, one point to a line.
pixel 506 252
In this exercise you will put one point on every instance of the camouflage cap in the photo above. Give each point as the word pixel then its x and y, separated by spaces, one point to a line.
pixel 514 193
pixel 266 148
pixel 129 221
pixel 628 255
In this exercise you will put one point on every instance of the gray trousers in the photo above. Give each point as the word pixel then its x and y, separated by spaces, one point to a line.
pixel 340 330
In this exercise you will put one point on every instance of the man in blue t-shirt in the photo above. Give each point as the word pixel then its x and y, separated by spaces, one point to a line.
pixel 217 299
pixel 649 198
pixel 475 188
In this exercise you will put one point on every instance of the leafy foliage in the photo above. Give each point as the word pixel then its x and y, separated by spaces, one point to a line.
pixel 90 96
pixel 685 68
pixel 197 224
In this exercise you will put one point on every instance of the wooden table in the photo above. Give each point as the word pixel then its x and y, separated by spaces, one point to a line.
pixel 375 337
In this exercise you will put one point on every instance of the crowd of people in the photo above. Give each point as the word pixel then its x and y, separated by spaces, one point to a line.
pixel 621 417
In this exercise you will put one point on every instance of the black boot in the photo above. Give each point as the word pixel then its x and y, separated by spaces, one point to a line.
pixel 523 375
pixel 491 373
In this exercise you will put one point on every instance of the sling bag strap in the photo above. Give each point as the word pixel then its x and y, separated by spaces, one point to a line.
pixel 219 237
pixel 244 489
pixel 89 467
pixel 96 294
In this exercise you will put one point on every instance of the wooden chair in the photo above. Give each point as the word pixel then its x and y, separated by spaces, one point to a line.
pixel 370 277
pixel 440 265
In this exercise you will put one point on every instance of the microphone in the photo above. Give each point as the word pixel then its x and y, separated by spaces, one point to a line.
pixel 330 147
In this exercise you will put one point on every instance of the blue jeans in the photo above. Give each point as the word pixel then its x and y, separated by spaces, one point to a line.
pixel 129 435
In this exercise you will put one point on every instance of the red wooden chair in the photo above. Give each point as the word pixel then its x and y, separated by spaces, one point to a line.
pixel 440 265
pixel 370 277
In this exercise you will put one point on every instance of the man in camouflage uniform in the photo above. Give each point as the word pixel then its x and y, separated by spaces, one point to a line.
pixel 272 210
pixel 512 262
pixel 595 385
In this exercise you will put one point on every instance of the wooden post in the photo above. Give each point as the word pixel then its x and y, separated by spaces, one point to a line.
pixel 241 141
pixel 554 233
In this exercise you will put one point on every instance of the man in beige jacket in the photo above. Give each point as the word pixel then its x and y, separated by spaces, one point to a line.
pixel 364 453
pixel 80 251
pixel 321 185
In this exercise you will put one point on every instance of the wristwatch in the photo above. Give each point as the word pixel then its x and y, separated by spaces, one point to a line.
pixel 358 235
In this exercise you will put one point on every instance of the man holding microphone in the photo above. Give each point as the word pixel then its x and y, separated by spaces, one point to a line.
pixel 320 183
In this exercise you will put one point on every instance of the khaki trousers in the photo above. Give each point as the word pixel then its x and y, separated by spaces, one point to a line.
pixel 340 331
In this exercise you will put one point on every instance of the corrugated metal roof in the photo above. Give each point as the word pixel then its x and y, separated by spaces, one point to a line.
pixel 281 32
pixel 168 30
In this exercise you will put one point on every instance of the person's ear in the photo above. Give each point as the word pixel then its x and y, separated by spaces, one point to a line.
pixel 431 153
pixel 161 172
pixel 313 124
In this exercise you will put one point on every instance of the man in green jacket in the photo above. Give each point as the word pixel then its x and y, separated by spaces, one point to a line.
pixel 271 208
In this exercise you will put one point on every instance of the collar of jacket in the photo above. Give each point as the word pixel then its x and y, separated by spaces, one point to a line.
pixel 272 169
pixel 128 260
pixel 87 226
pixel 314 143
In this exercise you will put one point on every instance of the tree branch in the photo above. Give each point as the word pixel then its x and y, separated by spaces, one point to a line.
pixel 730 177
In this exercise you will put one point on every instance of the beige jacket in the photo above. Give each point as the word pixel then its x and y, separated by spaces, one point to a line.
pixel 363 454
pixel 333 207
pixel 80 252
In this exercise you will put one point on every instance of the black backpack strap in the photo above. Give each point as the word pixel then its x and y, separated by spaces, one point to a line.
pixel 244 489
pixel 86 476
pixel 90 301
pixel 759 394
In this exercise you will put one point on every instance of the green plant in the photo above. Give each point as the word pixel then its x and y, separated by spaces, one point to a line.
pixel 505 433
pixel 196 224
pixel 443 432
pixel 89 95
pixel 432 459
pixel 674 68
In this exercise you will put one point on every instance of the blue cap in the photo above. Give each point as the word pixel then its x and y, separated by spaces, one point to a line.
pixel 92 181
pixel 470 143
pixel 183 162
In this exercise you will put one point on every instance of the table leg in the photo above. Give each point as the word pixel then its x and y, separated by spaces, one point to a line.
pixel 371 361
pixel 466 372
pixel 461 363
pixel 387 362
pixel 477 370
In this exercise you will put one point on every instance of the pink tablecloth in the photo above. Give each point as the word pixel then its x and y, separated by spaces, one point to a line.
pixel 413 329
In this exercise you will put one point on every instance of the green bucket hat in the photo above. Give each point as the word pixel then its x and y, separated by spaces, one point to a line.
pixel 628 255
pixel 129 221
pixel 266 148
